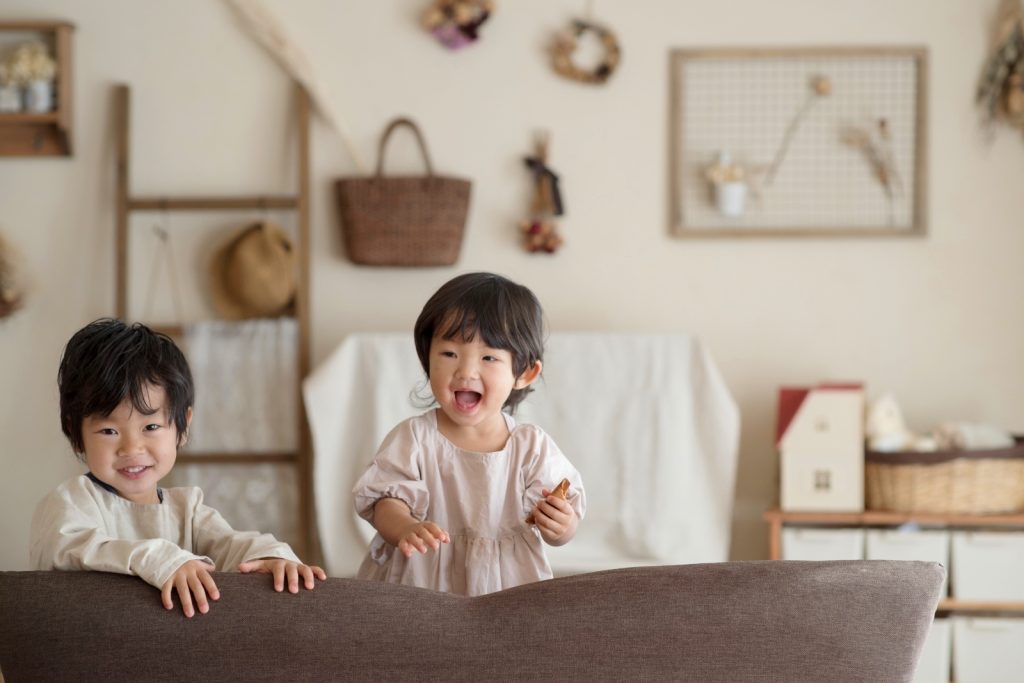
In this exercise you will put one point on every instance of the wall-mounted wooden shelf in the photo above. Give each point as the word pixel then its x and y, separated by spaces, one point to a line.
pixel 50 133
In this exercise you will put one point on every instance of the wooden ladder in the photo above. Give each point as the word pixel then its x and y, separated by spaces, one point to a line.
pixel 301 459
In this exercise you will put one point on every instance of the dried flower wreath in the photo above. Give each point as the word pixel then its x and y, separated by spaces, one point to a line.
pixel 565 46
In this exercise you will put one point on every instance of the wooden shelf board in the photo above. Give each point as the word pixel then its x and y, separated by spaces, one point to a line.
pixel 24 117
pixel 235 458
pixel 883 518
pixel 34 25
pixel 954 605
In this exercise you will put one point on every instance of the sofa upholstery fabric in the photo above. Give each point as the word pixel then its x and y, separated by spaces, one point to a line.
pixel 733 621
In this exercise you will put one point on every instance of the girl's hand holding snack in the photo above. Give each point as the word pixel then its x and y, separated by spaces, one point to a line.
pixel 280 569
pixel 192 579
pixel 416 537
pixel 555 518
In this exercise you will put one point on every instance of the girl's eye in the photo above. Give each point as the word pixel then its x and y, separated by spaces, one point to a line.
pixel 490 359
pixel 448 354
pixel 108 431
pixel 152 427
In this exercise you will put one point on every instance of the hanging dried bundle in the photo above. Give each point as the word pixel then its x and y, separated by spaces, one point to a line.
pixel 1001 88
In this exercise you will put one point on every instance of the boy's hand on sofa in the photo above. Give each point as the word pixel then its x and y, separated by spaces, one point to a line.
pixel 191 580
pixel 417 537
pixel 285 568
pixel 556 519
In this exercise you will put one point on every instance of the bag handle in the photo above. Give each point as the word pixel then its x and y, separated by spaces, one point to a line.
pixel 402 121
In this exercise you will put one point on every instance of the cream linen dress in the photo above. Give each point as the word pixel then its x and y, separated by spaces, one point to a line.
pixel 480 499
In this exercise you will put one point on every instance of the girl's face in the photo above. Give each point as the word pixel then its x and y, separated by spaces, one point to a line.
pixel 132 451
pixel 471 382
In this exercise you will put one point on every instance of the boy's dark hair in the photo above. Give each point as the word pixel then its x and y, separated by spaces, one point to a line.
pixel 108 361
pixel 506 315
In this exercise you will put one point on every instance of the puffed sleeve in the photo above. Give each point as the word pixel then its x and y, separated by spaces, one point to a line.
pixel 544 467
pixel 394 473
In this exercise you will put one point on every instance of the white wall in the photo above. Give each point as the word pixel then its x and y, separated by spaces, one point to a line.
pixel 938 320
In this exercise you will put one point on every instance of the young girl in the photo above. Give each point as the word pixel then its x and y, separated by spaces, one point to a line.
pixel 451 489
pixel 125 405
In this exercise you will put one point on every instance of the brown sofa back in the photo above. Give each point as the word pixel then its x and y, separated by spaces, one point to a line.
pixel 733 621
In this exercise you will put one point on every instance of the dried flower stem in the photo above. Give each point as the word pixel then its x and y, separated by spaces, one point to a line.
pixel 821 86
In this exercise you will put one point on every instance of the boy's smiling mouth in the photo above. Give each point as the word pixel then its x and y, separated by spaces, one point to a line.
pixel 467 400
pixel 135 471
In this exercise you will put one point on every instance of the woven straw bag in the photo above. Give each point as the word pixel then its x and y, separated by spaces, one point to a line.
pixel 403 220
pixel 947 482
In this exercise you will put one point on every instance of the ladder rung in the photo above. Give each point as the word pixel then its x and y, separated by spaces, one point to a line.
pixel 235 458
pixel 212 203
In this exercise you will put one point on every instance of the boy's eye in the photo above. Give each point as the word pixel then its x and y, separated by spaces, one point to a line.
pixel 108 431
pixel 152 427
pixel 448 354
pixel 490 358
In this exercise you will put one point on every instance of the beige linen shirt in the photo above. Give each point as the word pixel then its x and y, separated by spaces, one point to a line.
pixel 81 526
pixel 481 500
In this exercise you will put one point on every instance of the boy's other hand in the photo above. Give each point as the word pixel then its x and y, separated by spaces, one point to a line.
pixel 191 580
pixel 282 569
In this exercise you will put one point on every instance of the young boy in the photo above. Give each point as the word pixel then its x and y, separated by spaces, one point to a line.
pixel 125 405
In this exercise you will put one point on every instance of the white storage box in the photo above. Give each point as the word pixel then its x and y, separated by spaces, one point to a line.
pixel 808 543
pixel 933 666
pixel 987 565
pixel 928 545
pixel 987 650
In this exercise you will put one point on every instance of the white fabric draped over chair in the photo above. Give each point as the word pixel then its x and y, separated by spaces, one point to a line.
pixel 646 419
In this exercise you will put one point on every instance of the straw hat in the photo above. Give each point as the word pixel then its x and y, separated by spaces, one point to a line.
pixel 252 275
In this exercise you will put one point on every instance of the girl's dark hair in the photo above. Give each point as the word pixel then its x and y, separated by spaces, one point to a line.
pixel 506 315
pixel 108 361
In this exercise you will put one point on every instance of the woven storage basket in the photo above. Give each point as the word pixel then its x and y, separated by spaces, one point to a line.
pixel 403 220
pixel 967 482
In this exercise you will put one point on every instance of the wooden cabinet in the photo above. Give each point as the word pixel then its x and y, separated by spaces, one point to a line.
pixel 777 519
pixel 46 133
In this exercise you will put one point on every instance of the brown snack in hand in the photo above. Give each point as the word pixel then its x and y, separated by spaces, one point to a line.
pixel 560 491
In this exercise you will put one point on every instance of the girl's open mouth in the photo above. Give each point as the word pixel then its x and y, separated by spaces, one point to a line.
pixel 467 400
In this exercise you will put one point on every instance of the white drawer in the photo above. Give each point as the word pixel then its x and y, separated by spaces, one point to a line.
pixel 808 543
pixel 986 565
pixel 933 666
pixel 928 545
pixel 987 649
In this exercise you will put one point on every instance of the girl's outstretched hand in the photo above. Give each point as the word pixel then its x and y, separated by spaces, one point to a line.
pixel 191 580
pixel 284 568
pixel 555 518
pixel 420 536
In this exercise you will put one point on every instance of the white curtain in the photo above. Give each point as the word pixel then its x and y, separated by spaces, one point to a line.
pixel 246 383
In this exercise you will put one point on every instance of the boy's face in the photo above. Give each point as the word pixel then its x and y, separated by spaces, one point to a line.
pixel 132 451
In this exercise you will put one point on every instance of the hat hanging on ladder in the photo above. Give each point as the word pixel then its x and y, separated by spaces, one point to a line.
pixel 252 274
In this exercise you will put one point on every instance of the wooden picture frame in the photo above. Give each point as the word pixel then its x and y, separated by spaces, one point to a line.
pixel 798 142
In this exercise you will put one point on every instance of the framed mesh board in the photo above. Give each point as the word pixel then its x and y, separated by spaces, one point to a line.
pixel 807 141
